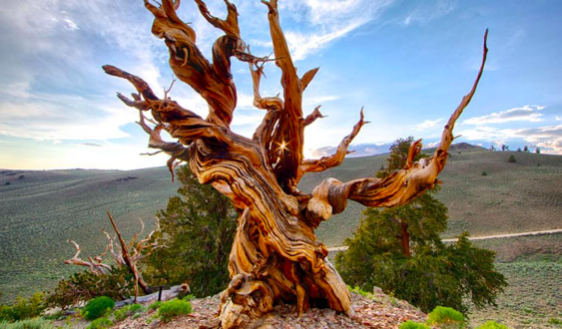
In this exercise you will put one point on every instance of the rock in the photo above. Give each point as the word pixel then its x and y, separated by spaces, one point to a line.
pixel 377 291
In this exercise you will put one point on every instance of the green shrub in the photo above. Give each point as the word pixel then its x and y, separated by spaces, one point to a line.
pixel 35 323
pixel 359 291
pixel 174 308
pixel 197 224
pixel 121 314
pixel 154 306
pixel 117 284
pixel 555 321
pixel 413 325
pixel 189 297
pixel 23 308
pixel 512 159
pixel 484 173
pixel 445 315
pixel 97 307
pixel 101 323
pixel 492 325
pixel 127 311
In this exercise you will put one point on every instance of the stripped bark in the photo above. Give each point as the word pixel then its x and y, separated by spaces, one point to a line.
pixel 275 256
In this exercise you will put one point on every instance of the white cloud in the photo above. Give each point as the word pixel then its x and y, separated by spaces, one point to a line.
pixel 427 11
pixel 427 124
pixel 432 144
pixel 67 118
pixel 526 113
pixel 547 137
pixel 558 118
pixel 327 21
pixel 316 99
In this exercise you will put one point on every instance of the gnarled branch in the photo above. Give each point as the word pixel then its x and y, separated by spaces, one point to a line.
pixel 336 159
pixel 330 197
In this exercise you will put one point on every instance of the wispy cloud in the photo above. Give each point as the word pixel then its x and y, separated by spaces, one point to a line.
pixel 327 21
pixel 91 144
pixel 53 54
pixel 41 117
pixel 427 11
pixel 428 124
pixel 528 113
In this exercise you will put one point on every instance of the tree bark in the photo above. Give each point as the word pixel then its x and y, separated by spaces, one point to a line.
pixel 405 238
pixel 275 256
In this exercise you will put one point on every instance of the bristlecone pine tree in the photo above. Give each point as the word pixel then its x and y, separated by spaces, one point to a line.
pixel 275 255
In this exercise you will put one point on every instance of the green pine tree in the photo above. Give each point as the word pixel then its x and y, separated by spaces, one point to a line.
pixel 197 228
pixel 400 250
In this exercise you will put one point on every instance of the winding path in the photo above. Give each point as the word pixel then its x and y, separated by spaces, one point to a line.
pixel 485 237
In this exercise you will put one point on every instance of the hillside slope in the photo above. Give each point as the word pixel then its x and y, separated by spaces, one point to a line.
pixel 41 210
pixel 509 198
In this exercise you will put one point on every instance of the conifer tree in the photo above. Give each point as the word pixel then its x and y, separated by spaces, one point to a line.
pixel 197 228
pixel 400 250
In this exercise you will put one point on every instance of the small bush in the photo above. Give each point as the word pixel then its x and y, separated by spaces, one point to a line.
pixel 35 323
pixel 174 308
pixel 512 159
pixel 101 323
pixel 445 315
pixel 189 297
pixel 492 325
pixel 23 308
pixel 358 291
pixel 155 305
pixel 117 284
pixel 555 321
pixel 413 325
pixel 484 173
pixel 127 311
pixel 97 307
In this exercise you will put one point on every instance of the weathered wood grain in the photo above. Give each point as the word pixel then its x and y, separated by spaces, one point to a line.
pixel 276 256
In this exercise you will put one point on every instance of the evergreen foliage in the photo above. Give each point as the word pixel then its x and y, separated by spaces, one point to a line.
pixel 118 284
pixel 23 308
pixel 198 229
pixel 400 250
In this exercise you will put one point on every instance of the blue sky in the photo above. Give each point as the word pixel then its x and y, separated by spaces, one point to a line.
pixel 407 62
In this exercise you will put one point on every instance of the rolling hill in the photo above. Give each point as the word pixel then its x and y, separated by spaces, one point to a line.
pixel 41 210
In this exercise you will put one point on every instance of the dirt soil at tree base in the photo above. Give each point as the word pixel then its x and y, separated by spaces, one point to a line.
pixel 381 311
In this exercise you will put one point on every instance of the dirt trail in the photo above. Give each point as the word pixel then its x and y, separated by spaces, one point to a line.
pixel 484 237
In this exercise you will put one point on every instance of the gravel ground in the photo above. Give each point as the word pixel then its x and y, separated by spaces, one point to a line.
pixel 380 311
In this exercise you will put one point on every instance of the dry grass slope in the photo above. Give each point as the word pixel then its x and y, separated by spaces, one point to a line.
pixel 510 198
pixel 41 210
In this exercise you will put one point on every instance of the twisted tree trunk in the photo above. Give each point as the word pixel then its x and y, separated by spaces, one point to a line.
pixel 276 256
